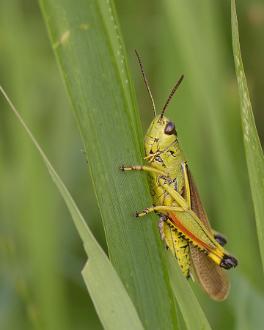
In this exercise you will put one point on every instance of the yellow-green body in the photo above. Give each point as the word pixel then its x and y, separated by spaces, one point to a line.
pixel 163 153
pixel 169 161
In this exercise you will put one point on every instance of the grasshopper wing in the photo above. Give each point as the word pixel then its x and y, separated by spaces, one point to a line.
pixel 211 277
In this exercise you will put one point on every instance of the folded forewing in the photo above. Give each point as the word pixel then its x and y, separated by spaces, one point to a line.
pixel 212 277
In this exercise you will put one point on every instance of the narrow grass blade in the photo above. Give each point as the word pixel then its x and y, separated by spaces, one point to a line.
pixel 88 45
pixel 192 312
pixel 113 305
pixel 254 153
pixel 110 298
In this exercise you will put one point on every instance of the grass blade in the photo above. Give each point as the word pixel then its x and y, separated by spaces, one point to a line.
pixel 88 45
pixel 192 312
pixel 121 314
pixel 98 273
pixel 253 150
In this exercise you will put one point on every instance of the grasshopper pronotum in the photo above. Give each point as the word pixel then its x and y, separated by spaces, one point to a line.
pixel 183 224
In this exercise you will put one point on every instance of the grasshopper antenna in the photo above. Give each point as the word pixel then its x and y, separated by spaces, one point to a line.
pixel 171 95
pixel 146 82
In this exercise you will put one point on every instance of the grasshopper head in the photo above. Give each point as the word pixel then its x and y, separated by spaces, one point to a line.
pixel 160 136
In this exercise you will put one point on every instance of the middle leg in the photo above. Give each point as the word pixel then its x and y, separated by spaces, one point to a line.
pixel 161 208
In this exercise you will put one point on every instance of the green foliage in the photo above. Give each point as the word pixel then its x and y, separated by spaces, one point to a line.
pixel 173 37
pixel 100 277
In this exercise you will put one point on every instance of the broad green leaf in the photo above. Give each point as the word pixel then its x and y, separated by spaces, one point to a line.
pixel 192 312
pixel 253 149
pixel 110 298
pixel 88 45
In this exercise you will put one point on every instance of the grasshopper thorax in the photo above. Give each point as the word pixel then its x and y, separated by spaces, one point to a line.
pixel 160 136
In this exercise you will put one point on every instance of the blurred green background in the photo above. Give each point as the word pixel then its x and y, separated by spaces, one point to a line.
pixel 41 255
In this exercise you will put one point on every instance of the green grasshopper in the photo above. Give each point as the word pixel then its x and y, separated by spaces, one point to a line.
pixel 183 223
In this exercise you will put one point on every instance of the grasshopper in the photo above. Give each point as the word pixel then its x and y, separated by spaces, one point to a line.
pixel 183 223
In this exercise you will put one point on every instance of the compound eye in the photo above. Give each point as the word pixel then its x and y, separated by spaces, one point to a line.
pixel 170 128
